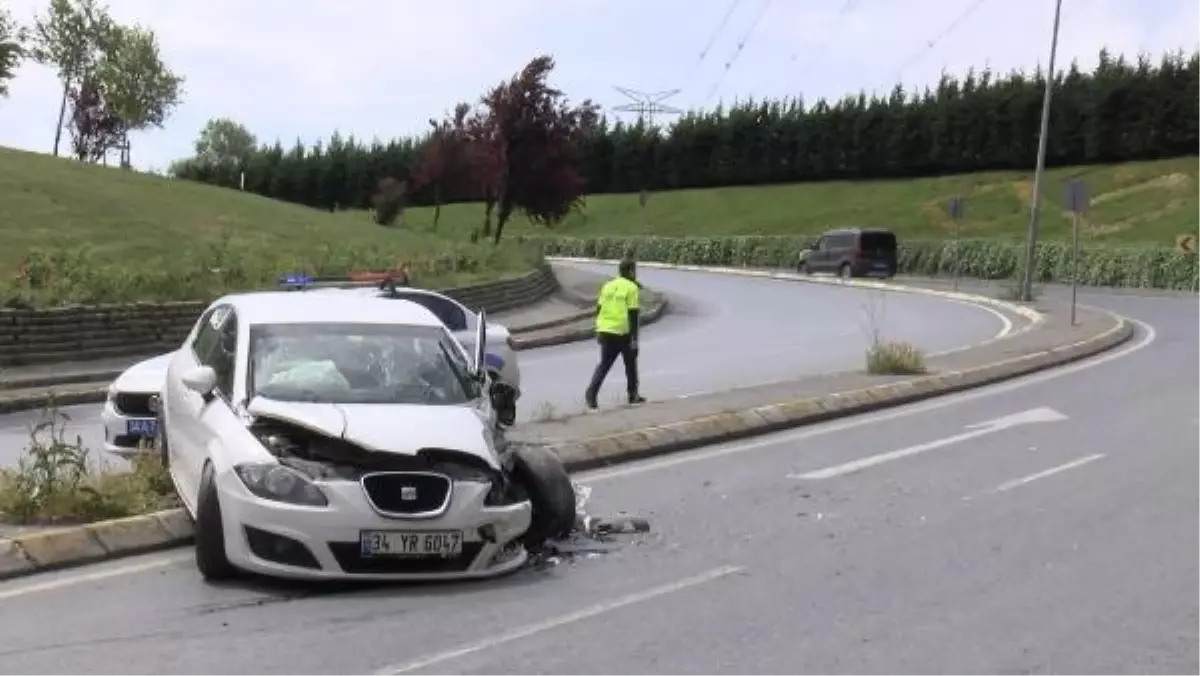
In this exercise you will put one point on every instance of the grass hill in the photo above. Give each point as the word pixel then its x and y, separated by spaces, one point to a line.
pixel 133 221
pixel 101 234
pixel 1141 203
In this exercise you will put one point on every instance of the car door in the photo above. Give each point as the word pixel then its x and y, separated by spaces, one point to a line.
pixel 186 406
pixel 818 258
pixel 201 419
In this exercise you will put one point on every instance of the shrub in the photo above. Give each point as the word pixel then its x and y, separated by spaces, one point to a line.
pixel 886 358
pixel 56 481
pixel 389 200
pixel 1145 267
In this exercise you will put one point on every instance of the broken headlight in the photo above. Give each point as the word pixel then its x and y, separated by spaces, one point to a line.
pixel 270 481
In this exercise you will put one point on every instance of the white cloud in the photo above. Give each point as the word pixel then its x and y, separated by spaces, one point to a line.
pixel 290 69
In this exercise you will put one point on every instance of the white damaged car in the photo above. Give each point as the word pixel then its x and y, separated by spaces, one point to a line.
pixel 130 413
pixel 328 436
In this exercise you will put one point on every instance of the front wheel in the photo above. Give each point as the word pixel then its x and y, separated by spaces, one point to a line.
pixel 211 559
pixel 160 440
pixel 845 272
pixel 545 480
pixel 802 268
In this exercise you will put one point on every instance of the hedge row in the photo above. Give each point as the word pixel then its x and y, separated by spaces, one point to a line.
pixel 983 259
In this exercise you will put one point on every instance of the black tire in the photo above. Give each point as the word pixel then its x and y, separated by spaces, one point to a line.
pixel 211 560
pixel 160 439
pixel 845 272
pixel 803 269
pixel 545 480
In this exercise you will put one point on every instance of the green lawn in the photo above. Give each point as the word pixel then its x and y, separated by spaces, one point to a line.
pixel 136 221
pixel 1145 203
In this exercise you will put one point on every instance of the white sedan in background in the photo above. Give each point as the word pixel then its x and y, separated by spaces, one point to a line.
pixel 314 435
pixel 130 413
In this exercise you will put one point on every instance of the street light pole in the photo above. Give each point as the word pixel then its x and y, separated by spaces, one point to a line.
pixel 1035 201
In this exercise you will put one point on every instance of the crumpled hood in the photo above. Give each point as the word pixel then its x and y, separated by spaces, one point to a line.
pixel 391 428
pixel 144 376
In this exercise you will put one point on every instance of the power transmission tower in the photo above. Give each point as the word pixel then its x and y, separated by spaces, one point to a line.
pixel 647 105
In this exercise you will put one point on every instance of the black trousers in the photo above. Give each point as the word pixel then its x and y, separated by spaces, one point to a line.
pixel 611 346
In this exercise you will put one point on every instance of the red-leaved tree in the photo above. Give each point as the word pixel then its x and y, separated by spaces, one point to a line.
pixel 94 127
pixel 486 159
pixel 445 161
pixel 533 134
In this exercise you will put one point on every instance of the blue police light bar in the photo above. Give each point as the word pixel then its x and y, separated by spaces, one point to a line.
pixel 302 281
pixel 295 280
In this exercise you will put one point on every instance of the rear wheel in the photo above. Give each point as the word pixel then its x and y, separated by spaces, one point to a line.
pixel 845 272
pixel 210 532
pixel 545 480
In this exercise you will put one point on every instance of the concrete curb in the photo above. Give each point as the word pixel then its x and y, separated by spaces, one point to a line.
pixel 1016 308
pixel 730 426
pixel 98 392
pixel 48 550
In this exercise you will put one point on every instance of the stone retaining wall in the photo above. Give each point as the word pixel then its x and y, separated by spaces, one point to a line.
pixel 82 333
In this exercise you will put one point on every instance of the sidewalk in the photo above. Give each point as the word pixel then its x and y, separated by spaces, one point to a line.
pixel 1053 332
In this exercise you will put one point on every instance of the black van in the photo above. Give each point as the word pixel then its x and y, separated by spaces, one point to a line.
pixel 851 252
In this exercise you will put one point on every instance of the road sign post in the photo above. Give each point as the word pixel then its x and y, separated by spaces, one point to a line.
pixel 1077 203
pixel 1186 243
pixel 956 207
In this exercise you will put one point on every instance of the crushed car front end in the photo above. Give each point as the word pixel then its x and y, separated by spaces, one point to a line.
pixel 446 529
pixel 436 503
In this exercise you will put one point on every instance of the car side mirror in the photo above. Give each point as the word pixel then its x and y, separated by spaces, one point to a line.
pixel 202 380
pixel 479 359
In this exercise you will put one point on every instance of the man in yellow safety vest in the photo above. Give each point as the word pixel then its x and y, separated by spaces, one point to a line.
pixel 617 309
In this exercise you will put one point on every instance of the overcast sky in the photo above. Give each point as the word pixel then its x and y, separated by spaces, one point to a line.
pixel 303 68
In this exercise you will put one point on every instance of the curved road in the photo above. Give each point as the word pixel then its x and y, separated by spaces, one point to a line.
pixel 723 331
pixel 1062 541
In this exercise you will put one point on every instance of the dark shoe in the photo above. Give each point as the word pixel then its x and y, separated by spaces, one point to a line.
pixel 590 400
pixel 637 399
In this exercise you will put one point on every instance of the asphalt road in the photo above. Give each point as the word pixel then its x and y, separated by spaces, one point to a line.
pixel 723 332
pixel 1046 525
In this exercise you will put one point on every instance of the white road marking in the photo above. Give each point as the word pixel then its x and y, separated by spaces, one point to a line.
pixel 785 439
pixel 562 620
pixel 72 580
pixel 1030 417
pixel 1049 472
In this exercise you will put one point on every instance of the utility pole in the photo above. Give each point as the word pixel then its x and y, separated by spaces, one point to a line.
pixel 1035 201
pixel 647 105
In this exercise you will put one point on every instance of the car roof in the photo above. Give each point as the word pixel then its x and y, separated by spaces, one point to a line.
pixel 299 307
pixel 376 292
pixel 855 231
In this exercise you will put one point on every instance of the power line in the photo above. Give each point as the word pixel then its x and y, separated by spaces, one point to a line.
pixel 741 45
pixel 929 45
pixel 827 33
pixel 712 39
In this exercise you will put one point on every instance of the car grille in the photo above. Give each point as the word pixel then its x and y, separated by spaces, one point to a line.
pixel 134 404
pixel 407 494
pixel 349 557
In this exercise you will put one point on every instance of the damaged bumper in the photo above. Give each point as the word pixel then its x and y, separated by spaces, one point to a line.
pixel 350 539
